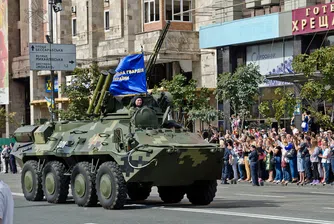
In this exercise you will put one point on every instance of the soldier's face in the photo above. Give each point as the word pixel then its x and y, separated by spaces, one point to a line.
pixel 139 102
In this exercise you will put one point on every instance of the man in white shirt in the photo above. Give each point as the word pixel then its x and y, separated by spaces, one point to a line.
pixel 6 204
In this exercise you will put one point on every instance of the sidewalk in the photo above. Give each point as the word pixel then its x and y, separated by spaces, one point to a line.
pixel 327 186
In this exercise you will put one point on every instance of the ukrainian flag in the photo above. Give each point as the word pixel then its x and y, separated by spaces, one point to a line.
pixel 48 102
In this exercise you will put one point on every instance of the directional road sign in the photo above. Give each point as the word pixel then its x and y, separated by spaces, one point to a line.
pixel 57 57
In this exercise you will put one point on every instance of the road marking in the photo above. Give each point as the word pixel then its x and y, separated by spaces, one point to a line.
pixel 329 208
pixel 249 215
pixel 324 193
pixel 262 195
pixel 18 194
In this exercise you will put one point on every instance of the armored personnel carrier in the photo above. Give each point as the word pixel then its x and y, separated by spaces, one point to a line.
pixel 121 152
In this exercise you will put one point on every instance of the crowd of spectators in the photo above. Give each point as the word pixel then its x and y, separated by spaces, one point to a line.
pixel 258 155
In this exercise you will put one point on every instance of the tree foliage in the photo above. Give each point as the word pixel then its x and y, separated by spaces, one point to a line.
pixel 318 90
pixel 188 103
pixel 240 88
pixel 4 116
pixel 284 105
pixel 79 92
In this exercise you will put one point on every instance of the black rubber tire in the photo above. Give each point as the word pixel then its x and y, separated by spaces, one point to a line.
pixel 37 191
pixel 90 197
pixel 202 192
pixel 171 194
pixel 57 169
pixel 118 197
pixel 139 191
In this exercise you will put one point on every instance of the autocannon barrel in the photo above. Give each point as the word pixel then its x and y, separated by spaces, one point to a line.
pixel 103 93
pixel 96 93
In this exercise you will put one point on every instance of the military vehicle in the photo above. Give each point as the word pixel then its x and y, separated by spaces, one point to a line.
pixel 122 151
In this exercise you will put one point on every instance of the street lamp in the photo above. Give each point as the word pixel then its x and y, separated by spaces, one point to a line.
pixel 56 6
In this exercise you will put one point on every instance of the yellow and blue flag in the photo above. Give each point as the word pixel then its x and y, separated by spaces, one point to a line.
pixel 48 102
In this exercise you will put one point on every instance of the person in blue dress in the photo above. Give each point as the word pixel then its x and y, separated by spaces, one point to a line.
pixel 306 120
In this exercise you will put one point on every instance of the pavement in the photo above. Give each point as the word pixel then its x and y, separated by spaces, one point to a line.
pixel 234 204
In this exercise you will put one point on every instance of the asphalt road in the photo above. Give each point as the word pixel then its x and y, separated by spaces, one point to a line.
pixel 234 204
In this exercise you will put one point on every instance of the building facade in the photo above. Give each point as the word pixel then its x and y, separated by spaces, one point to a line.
pixel 104 31
pixel 268 33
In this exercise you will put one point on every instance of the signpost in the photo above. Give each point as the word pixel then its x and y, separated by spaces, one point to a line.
pixel 56 57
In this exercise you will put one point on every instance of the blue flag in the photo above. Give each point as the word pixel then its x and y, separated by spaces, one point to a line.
pixel 130 77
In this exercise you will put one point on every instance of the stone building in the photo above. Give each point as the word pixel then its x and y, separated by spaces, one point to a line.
pixel 104 31
pixel 268 33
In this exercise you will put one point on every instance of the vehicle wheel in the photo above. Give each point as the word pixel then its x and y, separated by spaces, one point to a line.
pixel 171 194
pixel 111 186
pixel 55 183
pixel 202 192
pixel 139 191
pixel 31 181
pixel 83 185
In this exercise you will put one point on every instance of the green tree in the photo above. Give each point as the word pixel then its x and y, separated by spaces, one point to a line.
pixel 79 92
pixel 285 105
pixel 188 103
pixel 265 111
pixel 321 60
pixel 241 88
pixel 4 116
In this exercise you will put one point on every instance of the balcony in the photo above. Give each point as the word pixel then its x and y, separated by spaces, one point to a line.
pixel 178 45
pixel 21 67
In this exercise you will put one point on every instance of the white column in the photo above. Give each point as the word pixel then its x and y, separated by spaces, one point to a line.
pixel 7 121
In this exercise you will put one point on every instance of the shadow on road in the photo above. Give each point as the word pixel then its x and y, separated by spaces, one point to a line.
pixel 224 204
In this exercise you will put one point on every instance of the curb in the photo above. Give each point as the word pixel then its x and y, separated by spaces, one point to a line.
pixel 268 184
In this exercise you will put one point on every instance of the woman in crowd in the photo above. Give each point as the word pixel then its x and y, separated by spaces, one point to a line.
pixel 246 151
pixel 300 159
pixel 278 161
pixel 325 161
pixel 314 152
pixel 269 148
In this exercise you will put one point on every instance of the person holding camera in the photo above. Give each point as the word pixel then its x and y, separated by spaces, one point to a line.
pixel 6 156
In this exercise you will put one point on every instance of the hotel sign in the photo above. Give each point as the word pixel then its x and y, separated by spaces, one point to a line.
pixel 313 19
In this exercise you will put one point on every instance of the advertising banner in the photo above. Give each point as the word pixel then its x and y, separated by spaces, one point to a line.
pixel 48 85
pixel 4 90
pixel 130 77
pixel 313 19
pixel 272 59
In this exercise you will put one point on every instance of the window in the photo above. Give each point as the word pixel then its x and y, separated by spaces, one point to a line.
pixel 74 27
pixel 178 10
pixel 106 20
pixel 151 11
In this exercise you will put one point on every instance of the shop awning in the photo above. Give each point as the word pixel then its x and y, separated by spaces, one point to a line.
pixel 295 78
pixel 58 100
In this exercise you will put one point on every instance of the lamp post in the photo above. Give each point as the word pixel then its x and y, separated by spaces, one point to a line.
pixel 54 5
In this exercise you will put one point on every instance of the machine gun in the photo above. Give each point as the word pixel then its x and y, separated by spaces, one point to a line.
pixel 105 78
pixel 153 57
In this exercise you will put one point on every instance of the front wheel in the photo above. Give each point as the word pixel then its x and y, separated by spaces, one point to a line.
pixel 202 192
pixel 31 180
pixel 111 186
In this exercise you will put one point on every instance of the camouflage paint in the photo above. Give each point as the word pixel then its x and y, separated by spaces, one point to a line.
pixel 165 156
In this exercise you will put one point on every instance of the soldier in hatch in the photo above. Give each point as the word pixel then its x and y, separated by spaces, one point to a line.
pixel 138 102
pixel 135 104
